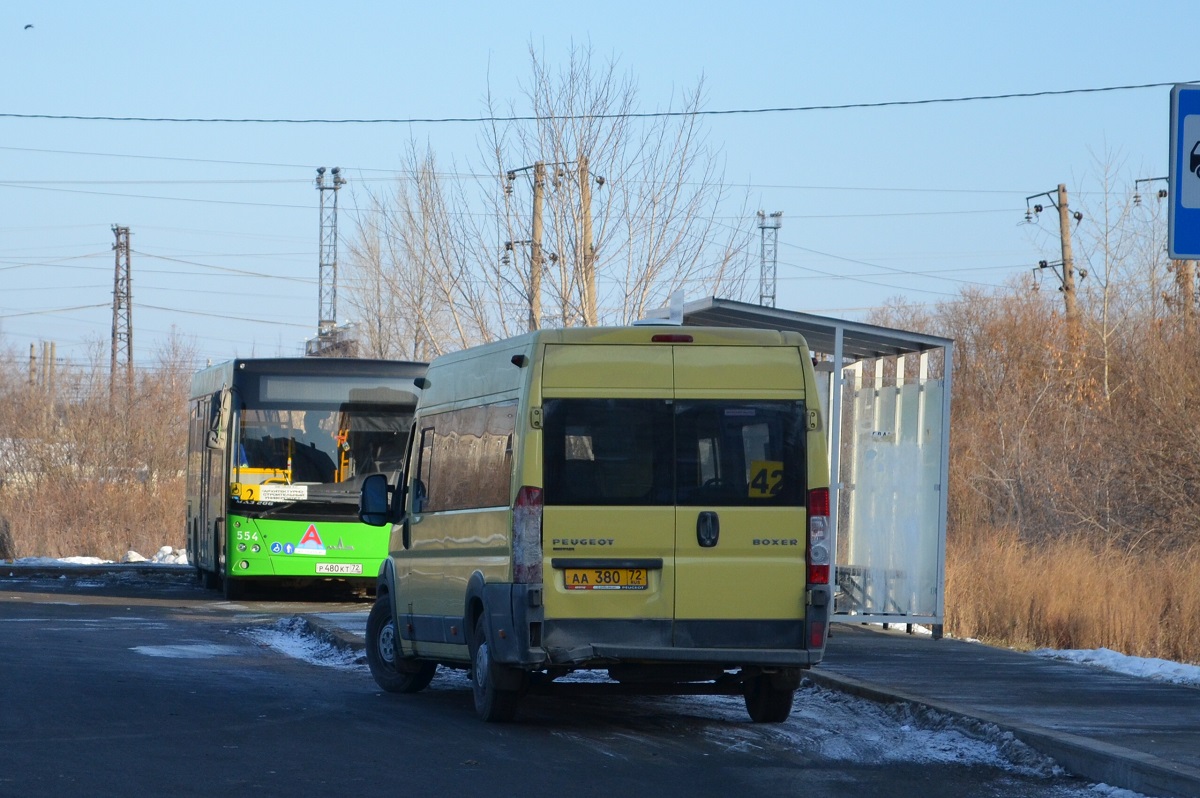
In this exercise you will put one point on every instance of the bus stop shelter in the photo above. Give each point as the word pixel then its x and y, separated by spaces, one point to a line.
pixel 886 394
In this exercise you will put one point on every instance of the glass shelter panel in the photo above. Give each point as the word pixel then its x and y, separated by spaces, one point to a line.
pixel 889 538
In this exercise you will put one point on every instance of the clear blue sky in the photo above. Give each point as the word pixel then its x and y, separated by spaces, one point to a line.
pixel 915 201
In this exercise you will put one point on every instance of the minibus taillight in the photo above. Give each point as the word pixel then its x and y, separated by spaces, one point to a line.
pixel 527 536
pixel 818 536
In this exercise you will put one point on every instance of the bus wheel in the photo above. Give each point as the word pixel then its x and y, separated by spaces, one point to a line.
pixel 391 671
pixel 493 703
pixel 766 702
pixel 233 589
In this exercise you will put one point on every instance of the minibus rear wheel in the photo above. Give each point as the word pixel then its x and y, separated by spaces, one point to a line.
pixel 390 669
pixel 493 703
pixel 765 701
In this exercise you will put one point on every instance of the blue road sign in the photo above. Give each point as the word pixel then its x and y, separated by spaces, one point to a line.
pixel 1183 214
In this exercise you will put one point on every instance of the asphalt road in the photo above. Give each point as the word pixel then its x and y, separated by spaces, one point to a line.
pixel 152 686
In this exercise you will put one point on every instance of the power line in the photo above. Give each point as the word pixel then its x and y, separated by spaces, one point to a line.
pixel 156 182
pixel 155 197
pixel 247 319
pixel 888 271
pixel 572 117
pixel 391 174
pixel 228 269
pixel 57 262
pixel 53 310
pixel 178 158
pixel 914 273
pixel 31 186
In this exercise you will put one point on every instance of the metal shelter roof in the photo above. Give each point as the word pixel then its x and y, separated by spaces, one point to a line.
pixel 859 341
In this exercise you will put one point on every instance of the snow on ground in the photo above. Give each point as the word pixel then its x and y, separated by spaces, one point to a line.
pixel 1159 670
pixel 294 637
pixel 166 555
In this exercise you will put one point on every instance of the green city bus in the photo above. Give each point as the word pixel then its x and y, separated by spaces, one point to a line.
pixel 277 450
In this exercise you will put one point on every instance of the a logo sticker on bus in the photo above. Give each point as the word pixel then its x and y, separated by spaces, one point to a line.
pixel 276 547
pixel 311 542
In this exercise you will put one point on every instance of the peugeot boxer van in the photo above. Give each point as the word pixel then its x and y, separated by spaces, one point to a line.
pixel 648 501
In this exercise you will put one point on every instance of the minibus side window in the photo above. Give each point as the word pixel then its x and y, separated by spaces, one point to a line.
pixel 466 457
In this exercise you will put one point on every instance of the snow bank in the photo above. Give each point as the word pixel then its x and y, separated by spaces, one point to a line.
pixel 1160 670
pixel 164 556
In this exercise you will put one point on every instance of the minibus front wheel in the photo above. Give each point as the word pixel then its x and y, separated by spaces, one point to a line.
pixel 390 669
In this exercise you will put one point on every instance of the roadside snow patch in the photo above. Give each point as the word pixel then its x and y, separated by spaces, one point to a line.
pixel 294 637
pixel 1160 670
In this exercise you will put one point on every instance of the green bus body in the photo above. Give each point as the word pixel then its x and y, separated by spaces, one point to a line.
pixel 277 450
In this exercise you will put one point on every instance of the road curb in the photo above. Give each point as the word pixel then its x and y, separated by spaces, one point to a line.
pixel 1091 759
pixel 333 635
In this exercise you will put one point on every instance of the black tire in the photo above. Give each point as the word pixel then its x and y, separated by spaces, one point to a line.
pixel 233 589
pixel 208 579
pixel 392 672
pixel 766 702
pixel 493 703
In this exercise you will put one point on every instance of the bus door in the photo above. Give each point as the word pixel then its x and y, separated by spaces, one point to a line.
pixel 740 560
pixel 214 484
pixel 609 517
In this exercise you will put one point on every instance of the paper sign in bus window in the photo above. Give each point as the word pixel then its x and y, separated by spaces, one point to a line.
pixel 766 478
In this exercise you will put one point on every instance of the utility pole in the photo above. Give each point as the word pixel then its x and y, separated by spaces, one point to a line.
pixel 122 321
pixel 769 249
pixel 588 265
pixel 49 360
pixel 535 248
pixel 1185 278
pixel 585 250
pixel 1068 266
pixel 1067 285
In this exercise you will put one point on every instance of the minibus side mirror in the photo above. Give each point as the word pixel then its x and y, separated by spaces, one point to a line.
pixel 377 503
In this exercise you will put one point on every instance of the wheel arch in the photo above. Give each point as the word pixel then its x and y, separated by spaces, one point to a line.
pixel 385 581
pixel 474 607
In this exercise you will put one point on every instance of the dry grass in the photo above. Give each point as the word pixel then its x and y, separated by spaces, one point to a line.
pixel 73 517
pixel 1073 595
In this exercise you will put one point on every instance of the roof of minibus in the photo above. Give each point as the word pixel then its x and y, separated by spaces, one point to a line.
pixel 668 333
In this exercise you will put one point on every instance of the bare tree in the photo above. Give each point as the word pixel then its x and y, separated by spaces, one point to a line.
pixel 415 281
pixel 631 212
